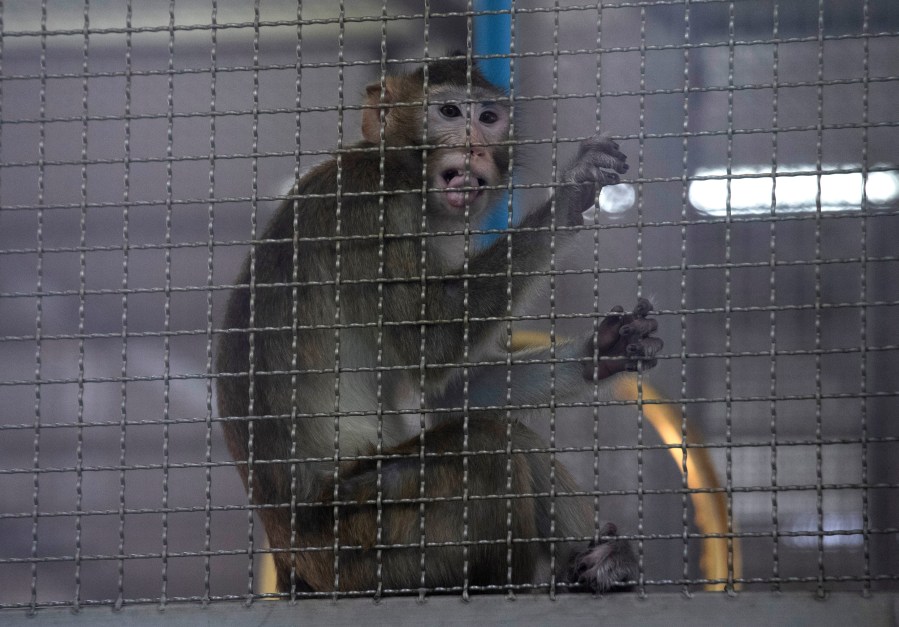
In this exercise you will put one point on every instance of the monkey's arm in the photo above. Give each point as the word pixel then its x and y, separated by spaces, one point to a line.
pixel 598 163
pixel 622 342
pixel 485 299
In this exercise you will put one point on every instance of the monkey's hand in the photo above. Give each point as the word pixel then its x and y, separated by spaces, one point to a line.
pixel 605 563
pixel 598 163
pixel 625 336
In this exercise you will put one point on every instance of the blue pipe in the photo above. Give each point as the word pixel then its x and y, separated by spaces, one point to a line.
pixel 493 36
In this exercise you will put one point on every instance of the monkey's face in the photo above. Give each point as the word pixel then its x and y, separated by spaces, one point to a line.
pixel 470 130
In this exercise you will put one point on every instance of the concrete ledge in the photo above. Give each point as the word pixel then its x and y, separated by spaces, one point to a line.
pixel 662 609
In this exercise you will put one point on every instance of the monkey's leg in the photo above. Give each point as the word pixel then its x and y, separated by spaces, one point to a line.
pixel 453 524
pixel 471 516
pixel 527 249
pixel 462 522
pixel 602 565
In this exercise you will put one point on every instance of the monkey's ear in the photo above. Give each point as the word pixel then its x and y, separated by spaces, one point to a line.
pixel 371 115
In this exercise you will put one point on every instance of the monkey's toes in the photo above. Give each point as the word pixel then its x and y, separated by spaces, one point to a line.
pixel 606 565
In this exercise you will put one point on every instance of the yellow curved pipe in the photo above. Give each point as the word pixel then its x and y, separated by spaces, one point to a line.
pixel 267 580
pixel 709 508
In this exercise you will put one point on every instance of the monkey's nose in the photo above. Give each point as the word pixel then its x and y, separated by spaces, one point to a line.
pixel 480 152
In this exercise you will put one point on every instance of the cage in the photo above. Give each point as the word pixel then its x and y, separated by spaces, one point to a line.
pixel 146 146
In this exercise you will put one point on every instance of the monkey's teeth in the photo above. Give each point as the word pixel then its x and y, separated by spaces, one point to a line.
pixel 456 178
pixel 462 189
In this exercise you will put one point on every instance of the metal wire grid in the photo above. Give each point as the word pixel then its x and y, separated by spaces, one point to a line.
pixel 72 418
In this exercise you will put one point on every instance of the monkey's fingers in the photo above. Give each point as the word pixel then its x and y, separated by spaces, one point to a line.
pixel 604 166
pixel 642 308
pixel 641 354
pixel 589 177
pixel 608 529
pixel 603 144
pixel 642 345
pixel 628 337
pixel 609 329
pixel 608 342
pixel 618 324
pixel 598 163
pixel 639 327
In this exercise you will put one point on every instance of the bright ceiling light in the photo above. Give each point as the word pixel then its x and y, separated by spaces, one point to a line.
pixel 754 189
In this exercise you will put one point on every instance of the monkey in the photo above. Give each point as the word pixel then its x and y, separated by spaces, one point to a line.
pixel 351 376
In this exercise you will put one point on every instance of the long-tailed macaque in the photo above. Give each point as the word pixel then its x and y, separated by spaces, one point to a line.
pixel 360 316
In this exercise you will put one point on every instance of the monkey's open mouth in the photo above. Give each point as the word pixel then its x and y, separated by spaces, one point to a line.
pixel 456 179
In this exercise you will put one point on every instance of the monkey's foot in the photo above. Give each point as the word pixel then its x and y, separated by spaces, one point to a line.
pixel 625 336
pixel 604 564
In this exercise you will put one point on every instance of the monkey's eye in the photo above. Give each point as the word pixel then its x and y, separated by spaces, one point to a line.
pixel 488 117
pixel 450 111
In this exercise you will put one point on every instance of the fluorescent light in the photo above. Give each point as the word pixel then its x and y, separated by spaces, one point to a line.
pixel 795 189
pixel 836 521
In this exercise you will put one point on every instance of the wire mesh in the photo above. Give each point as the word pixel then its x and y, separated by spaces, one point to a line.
pixel 145 147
